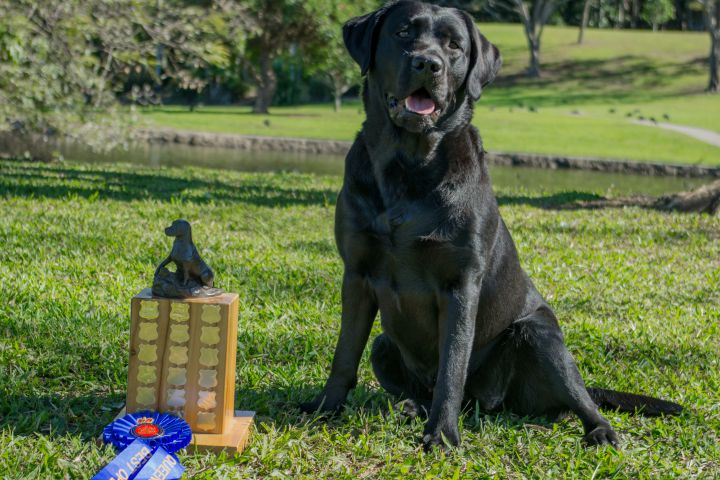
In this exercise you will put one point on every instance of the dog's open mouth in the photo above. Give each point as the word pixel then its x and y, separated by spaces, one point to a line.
pixel 420 103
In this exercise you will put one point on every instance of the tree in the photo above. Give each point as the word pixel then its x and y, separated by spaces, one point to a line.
pixel 330 57
pixel 657 12
pixel 231 25
pixel 711 14
pixel 534 14
pixel 279 24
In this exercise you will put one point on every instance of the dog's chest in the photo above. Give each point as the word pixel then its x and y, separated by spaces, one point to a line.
pixel 414 245
pixel 182 251
pixel 405 209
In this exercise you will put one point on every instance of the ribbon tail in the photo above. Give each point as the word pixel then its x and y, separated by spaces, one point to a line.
pixel 127 462
pixel 161 466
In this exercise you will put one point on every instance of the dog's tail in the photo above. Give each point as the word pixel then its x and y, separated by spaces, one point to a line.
pixel 633 403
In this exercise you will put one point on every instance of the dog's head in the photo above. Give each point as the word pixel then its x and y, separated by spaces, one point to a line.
pixel 425 60
pixel 178 228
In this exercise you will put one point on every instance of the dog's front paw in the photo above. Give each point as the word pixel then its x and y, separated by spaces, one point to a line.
pixel 444 438
pixel 325 403
pixel 602 435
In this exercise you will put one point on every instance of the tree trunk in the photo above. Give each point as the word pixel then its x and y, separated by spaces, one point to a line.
pixel 584 22
pixel 266 83
pixel 534 22
pixel 705 199
pixel 338 91
pixel 534 68
pixel 714 83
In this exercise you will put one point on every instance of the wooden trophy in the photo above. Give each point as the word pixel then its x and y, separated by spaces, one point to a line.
pixel 182 349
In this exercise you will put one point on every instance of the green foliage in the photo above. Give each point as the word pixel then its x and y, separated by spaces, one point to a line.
pixel 636 292
pixel 49 78
pixel 63 63
pixel 657 12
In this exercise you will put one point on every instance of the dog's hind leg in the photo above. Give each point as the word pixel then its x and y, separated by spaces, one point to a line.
pixel 397 379
pixel 186 272
pixel 489 381
pixel 207 276
pixel 548 380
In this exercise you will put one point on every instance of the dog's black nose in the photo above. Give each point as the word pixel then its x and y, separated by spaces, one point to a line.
pixel 428 64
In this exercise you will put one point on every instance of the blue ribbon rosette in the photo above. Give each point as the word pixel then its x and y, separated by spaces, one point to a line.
pixel 147 442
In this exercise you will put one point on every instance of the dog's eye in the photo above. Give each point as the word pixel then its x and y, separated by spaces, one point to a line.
pixel 403 32
pixel 454 45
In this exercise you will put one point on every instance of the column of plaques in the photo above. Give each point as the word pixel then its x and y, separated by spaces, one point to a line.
pixel 208 373
pixel 176 368
pixel 147 373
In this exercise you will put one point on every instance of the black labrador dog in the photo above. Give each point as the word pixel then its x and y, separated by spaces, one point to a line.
pixel 419 231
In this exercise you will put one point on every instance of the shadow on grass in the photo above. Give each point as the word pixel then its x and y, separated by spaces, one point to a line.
pixel 39 180
pixel 552 201
pixel 279 409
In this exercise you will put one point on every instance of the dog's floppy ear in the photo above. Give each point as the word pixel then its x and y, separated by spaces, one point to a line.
pixel 485 61
pixel 360 36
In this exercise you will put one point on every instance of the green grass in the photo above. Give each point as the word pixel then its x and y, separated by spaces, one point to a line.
pixel 637 293
pixel 644 73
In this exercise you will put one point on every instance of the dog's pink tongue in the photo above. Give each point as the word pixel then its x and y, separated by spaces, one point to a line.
pixel 420 104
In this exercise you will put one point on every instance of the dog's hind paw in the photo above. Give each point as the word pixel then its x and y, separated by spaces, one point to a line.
pixel 411 408
pixel 602 435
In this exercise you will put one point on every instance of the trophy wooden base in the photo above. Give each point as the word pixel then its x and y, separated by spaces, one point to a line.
pixel 235 436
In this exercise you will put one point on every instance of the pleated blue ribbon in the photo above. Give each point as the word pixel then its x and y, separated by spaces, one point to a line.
pixel 147 442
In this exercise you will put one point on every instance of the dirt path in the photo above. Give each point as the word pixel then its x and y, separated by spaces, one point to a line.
pixel 707 136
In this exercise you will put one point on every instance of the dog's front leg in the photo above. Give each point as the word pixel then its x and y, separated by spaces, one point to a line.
pixel 186 273
pixel 162 264
pixel 359 308
pixel 457 317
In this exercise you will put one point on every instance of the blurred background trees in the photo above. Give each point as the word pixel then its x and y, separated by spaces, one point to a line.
pixel 73 66
pixel 66 66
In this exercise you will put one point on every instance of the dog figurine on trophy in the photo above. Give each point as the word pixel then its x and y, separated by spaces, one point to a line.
pixel 192 277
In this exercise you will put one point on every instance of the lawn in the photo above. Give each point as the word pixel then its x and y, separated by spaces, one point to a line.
pixel 582 106
pixel 637 293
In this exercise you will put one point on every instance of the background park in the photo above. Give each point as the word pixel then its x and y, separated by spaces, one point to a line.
pixel 84 198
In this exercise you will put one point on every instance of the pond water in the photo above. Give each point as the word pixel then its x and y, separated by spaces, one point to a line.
pixel 532 179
